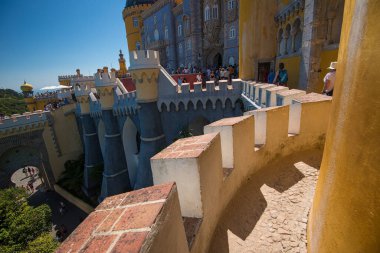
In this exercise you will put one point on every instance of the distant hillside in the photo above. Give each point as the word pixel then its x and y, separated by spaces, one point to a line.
pixel 11 102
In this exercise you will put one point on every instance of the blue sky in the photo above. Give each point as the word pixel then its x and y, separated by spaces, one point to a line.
pixel 41 39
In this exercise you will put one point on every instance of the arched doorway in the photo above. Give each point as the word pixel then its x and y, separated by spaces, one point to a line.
pixel 218 60
pixel 22 166
pixel 131 144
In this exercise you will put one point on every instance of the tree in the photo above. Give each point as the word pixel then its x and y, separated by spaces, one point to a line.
pixel 21 224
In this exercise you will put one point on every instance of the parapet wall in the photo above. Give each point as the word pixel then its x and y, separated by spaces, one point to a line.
pixel 19 123
pixel 144 59
pixel 208 171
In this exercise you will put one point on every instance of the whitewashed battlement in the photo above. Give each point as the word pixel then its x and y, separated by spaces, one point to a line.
pixel 209 169
pixel 66 77
pixel 25 121
pixel 82 90
pixel 105 79
pixel 144 59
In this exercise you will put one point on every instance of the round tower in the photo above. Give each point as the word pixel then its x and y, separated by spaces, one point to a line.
pixel 115 174
pixel 145 69
pixel 92 151
pixel 133 21
pixel 122 66
pixel 27 91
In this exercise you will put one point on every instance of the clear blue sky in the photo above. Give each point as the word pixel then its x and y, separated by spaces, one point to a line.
pixel 41 39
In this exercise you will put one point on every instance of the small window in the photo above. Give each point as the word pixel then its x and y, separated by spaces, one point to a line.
pixel 231 4
pixel 156 35
pixel 138 45
pixel 166 33
pixel 207 13
pixel 180 49
pixel 135 22
pixel 179 30
pixel 215 11
pixel 231 61
pixel 188 44
pixel 232 32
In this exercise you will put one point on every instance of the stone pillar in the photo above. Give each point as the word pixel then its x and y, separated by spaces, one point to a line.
pixel 257 31
pixel 312 42
pixel 145 70
pixel 92 152
pixel 115 175
pixel 345 213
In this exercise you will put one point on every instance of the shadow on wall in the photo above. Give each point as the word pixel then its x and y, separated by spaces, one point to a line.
pixel 245 210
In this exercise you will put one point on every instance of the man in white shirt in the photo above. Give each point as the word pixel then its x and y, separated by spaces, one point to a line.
pixel 329 80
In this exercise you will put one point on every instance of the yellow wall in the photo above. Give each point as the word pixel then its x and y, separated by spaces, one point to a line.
pixel 133 33
pixel 346 207
pixel 327 56
pixel 257 31
pixel 292 65
pixel 68 138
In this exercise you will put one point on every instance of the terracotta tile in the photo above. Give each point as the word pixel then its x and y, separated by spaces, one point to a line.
pixel 83 232
pixel 110 220
pixel 312 97
pixel 138 217
pixel 99 244
pixel 148 194
pixel 130 242
pixel 111 202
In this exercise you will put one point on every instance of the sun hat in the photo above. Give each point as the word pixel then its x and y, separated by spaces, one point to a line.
pixel 333 65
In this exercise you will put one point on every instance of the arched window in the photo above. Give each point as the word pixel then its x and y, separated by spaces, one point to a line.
pixel 135 22
pixel 188 44
pixel 207 13
pixel 297 35
pixel 166 33
pixel 138 45
pixel 179 30
pixel 232 33
pixel 280 42
pixel 156 35
pixel 231 4
pixel 167 51
pixel 148 39
pixel 155 19
pixel 288 38
pixel 180 49
pixel 215 11
pixel 231 61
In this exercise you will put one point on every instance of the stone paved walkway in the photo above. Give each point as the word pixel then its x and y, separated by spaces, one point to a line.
pixel 270 213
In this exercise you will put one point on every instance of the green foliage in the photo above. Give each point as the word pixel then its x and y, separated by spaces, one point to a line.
pixel 21 224
pixel 42 244
pixel 11 102
pixel 72 178
pixel 184 133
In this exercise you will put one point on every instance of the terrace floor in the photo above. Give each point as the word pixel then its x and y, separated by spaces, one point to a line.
pixel 269 213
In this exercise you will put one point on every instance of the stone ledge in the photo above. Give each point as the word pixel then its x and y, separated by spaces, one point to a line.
pixel 312 97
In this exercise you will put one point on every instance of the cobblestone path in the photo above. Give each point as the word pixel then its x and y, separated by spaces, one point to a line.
pixel 270 213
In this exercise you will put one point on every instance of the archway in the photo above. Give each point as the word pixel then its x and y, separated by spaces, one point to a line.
pixel 131 144
pixel 21 166
pixel 218 60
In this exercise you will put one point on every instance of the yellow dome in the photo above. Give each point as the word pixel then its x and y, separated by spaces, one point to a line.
pixel 26 87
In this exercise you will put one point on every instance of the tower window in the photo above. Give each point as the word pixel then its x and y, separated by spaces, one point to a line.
pixel 179 30
pixel 215 11
pixel 135 22
pixel 156 35
pixel 207 13
pixel 180 49
pixel 166 33
pixel 232 32
pixel 231 4
pixel 188 44
pixel 155 19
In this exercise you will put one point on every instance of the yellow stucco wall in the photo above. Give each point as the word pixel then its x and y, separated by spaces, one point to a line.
pixel 327 56
pixel 292 65
pixel 68 138
pixel 346 207
pixel 257 31
pixel 133 33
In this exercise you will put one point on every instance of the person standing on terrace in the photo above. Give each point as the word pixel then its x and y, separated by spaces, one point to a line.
pixel 281 77
pixel 329 80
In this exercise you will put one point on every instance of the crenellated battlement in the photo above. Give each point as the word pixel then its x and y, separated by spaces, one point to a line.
pixel 214 92
pixel 208 171
pixel 125 104
pixel 68 77
pixel 23 122
pixel 105 78
pixel 144 59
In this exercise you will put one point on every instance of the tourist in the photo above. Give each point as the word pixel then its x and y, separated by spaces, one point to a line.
pixel 25 172
pixel 329 80
pixel 184 80
pixel 212 76
pixel 29 171
pixel 199 77
pixel 179 81
pixel 281 76
pixel 32 169
pixel 271 76
pixel 231 71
